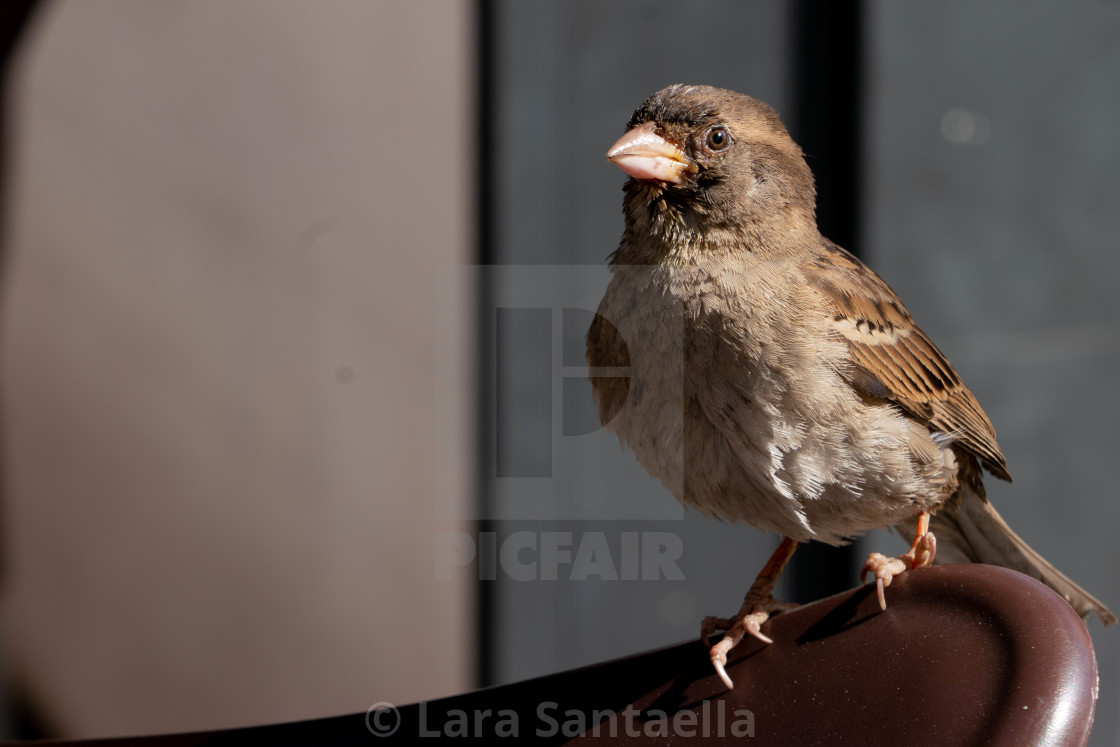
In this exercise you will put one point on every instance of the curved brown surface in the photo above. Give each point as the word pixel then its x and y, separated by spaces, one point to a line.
pixel 963 655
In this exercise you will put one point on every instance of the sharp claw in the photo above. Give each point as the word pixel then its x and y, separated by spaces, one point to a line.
pixel 752 624
pixel 760 635
pixel 869 566
pixel 722 673
pixel 882 596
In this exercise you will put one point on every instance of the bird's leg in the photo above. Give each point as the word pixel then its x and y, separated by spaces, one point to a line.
pixel 757 607
pixel 920 554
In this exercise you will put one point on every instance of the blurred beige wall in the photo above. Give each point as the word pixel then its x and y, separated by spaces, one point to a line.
pixel 217 370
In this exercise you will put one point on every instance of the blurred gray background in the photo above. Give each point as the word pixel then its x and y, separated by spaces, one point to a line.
pixel 292 314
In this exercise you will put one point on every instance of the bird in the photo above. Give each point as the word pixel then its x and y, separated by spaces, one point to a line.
pixel 766 375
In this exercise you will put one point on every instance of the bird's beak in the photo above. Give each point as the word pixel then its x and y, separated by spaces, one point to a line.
pixel 643 154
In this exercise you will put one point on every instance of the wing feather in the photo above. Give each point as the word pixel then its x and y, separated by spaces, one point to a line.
pixel 891 358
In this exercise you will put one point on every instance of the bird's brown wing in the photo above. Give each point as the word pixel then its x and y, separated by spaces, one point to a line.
pixel 893 359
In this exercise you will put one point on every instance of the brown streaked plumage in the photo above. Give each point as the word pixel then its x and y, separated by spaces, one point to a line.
pixel 893 359
pixel 772 377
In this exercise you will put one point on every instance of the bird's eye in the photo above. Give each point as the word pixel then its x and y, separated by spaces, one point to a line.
pixel 718 139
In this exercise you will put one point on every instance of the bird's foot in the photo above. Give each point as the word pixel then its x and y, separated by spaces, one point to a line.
pixel 735 628
pixel 884 569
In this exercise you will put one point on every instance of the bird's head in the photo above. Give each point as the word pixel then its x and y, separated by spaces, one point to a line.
pixel 710 162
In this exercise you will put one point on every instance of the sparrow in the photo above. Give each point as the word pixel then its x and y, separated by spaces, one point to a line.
pixel 767 376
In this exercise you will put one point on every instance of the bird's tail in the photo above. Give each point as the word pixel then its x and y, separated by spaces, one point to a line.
pixel 980 535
